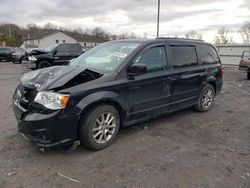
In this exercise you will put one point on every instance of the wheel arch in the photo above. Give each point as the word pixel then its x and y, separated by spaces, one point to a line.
pixel 213 83
pixel 86 107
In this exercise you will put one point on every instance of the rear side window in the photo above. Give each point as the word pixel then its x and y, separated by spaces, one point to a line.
pixel 208 54
pixel 154 58
pixel 74 48
pixel 183 56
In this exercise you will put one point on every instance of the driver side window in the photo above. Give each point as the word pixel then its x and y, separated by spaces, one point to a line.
pixel 154 58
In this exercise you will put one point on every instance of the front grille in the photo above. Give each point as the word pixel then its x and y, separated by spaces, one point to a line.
pixel 27 96
pixel 30 94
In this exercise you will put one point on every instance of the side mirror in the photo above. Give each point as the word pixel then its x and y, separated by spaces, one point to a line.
pixel 136 69
pixel 54 52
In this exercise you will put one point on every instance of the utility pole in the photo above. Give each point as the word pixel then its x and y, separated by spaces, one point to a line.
pixel 158 18
pixel 9 31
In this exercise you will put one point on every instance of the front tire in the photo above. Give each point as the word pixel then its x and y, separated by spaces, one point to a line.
pixel 43 64
pixel 206 98
pixel 99 127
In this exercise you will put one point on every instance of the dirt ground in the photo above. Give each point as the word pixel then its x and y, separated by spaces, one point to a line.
pixel 182 149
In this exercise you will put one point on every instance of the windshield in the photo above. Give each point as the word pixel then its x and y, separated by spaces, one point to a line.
pixel 105 57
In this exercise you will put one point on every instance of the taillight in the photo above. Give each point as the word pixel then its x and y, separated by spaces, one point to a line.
pixel 222 70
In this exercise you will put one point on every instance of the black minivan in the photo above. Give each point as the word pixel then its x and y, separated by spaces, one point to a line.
pixel 113 85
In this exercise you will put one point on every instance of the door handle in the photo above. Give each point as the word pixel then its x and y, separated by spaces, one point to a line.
pixel 135 87
pixel 172 78
pixel 176 77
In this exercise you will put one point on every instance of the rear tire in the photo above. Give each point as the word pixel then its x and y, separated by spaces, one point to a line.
pixel 43 64
pixel 99 127
pixel 206 98
pixel 248 75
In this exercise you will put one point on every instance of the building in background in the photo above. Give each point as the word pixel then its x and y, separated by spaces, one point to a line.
pixel 231 53
pixel 45 40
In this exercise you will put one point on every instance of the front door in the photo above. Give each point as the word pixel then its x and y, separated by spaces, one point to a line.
pixel 62 55
pixel 147 92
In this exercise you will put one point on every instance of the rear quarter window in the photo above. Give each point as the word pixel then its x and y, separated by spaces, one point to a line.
pixel 183 56
pixel 207 54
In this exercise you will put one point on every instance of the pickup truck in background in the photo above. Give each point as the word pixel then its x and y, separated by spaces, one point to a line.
pixel 53 55
pixel 245 63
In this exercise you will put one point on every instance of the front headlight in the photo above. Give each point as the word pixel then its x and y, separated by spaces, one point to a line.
pixel 32 58
pixel 53 101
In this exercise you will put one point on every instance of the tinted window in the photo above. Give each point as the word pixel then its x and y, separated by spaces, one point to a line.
pixel 208 54
pixel 183 56
pixel 62 48
pixel 5 49
pixel 74 48
pixel 154 58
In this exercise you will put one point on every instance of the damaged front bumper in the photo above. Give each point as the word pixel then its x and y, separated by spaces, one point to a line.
pixel 29 64
pixel 48 130
pixel 45 129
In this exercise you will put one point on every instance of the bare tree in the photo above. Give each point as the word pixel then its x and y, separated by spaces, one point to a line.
pixel 222 37
pixel 50 27
pixel 98 32
pixel 245 32
pixel 9 30
pixel 192 34
pixel 124 36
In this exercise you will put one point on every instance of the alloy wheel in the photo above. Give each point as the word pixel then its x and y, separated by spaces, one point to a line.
pixel 207 98
pixel 104 127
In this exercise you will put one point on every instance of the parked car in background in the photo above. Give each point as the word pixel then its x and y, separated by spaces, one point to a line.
pixel 19 55
pixel 6 54
pixel 245 63
pixel 53 55
pixel 113 85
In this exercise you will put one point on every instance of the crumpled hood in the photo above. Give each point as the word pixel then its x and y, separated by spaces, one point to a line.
pixel 38 52
pixel 51 77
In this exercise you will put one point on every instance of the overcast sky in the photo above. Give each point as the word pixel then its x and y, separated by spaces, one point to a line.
pixel 138 16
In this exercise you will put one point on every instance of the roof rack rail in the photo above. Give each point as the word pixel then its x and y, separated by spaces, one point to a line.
pixel 179 38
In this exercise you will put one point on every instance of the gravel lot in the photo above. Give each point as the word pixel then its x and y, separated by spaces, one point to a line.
pixel 182 149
